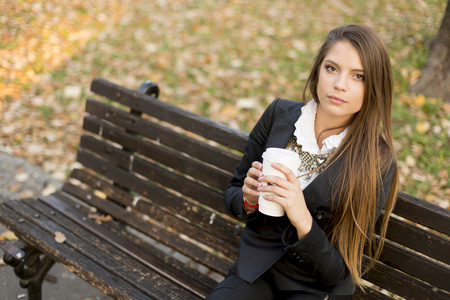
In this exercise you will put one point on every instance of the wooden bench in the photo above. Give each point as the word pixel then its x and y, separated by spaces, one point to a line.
pixel 144 218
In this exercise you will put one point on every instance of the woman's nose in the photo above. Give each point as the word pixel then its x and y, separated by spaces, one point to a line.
pixel 340 84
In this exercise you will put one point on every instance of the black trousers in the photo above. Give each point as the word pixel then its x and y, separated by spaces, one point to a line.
pixel 235 288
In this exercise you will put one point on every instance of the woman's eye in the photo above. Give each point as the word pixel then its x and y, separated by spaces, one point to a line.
pixel 330 68
pixel 359 77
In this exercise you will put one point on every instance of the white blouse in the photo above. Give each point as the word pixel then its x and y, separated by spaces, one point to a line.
pixel 304 132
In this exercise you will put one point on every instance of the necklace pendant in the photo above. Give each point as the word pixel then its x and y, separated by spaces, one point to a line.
pixel 309 162
pixel 320 160
pixel 306 158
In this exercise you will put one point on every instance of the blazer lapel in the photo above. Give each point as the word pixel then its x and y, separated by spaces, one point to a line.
pixel 283 125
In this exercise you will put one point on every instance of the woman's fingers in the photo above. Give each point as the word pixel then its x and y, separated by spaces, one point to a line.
pixel 251 186
pixel 279 181
pixel 257 165
pixel 255 171
pixel 290 176
pixel 273 188
pixel 251 182
pixel 286 188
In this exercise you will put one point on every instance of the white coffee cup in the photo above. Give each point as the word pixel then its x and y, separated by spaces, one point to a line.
pixel 285 157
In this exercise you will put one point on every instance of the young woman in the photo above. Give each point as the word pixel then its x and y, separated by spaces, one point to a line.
pixel 347 177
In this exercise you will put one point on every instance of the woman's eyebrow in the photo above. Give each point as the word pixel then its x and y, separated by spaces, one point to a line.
pixel 336 64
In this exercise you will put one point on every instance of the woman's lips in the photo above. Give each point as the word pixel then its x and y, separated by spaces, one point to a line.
pixel 336 99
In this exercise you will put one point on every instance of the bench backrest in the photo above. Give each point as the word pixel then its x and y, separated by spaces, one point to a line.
pixel 162 171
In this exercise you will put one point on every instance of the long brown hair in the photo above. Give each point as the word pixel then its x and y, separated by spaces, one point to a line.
pixel 366 152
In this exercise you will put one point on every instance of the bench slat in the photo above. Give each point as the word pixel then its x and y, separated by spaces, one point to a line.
pixel 189 121
pixel 107 151
pixel 416 265
pixel 422 212
pixel 370 294
pixel 396 281
pixel 81 265
pixel 418 239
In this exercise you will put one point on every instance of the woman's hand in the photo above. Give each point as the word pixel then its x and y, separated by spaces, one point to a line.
pixel 251 183
pixel 289 194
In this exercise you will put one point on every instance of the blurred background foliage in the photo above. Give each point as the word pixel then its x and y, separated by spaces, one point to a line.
pixel 226 60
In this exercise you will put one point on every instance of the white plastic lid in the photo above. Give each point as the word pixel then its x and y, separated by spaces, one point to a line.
pixel 281 156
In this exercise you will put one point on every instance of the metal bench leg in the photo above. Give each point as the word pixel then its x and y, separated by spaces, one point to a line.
pixel 31 269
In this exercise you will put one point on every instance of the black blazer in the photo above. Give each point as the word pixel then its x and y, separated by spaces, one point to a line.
pixel 271 243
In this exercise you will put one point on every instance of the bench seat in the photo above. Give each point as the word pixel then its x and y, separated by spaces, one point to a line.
pixel 144 217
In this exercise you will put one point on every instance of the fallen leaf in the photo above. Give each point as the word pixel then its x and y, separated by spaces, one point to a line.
pixel 26 194
pixel 100 218
pixel 50 278
pixel 50 189
pixel 423 127
pixel 419 100
pixel 72 91
pixel 107 218
pixel 410 161
pixel 21 177
pixel 100 194
pixel 404 98
pixel 8 235
pixel 60 237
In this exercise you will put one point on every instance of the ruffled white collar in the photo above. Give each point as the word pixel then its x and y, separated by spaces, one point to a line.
pixel 304 131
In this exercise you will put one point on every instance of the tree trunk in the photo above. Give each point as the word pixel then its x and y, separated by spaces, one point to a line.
pixel 435 78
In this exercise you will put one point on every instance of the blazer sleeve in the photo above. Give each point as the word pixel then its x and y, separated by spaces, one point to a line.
pixel 315 252
pixel 253 152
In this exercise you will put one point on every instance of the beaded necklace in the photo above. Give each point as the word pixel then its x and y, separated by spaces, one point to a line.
pixel 309 162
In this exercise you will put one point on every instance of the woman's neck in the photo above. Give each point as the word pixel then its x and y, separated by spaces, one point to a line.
pixel 324 126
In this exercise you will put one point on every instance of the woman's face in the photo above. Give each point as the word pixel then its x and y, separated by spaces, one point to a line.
pixel 341 83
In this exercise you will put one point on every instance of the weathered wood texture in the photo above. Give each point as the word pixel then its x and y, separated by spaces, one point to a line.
pixel 160 173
